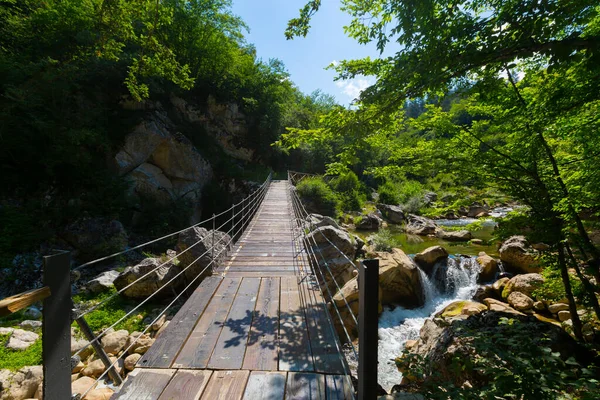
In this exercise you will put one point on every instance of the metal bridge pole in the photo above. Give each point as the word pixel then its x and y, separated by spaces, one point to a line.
pixel 233 222
pixel 56 328
pixel 368 319
pixel 212 248
pixel 89 335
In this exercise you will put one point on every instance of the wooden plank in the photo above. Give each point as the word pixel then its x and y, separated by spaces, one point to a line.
pixel 322 336
pixel 144 384
pixel 305 386
pixel 20 301
pixel 186 385
pixel 338 387
pixel 226 385
pixel 260 268
pixel 197 350
pixel 294 347
pixel 265 386
pixel 259 274
pixel 231 345
pixel 262 349
pixel 165 349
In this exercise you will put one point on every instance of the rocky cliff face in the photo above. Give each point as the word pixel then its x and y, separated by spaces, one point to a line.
pixel 162 164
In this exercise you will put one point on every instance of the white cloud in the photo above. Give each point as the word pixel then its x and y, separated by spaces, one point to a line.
pixel 353 87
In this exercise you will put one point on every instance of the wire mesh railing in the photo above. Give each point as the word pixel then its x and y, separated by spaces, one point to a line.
pixel 364 325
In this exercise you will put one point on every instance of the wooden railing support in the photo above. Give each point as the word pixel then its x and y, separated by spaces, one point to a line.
pixel 56 328
pixel 368 319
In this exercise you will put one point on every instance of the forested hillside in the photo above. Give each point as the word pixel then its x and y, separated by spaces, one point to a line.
pixel 77 77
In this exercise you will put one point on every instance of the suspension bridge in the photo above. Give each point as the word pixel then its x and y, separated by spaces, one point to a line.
pixel 257 327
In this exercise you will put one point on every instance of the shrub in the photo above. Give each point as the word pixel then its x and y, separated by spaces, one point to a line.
pixel 413 205
pixel 388 194
pixel 384 240
pixel 348 188
pixel 318 197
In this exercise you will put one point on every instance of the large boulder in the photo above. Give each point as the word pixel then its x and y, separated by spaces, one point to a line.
pixel 520 301
pixel 369 222
pixel 489 267
pixel 454 236
pixel 336 248
pixel 430 256
pixel 22 384
pixel 102 282
pixel 399 279
pixel 161 163
pixel 21 339
pixel 154 274
pixel 422 226
pixel 517 256
pixel 461 307
pixel 392 213
pixel 196 248
pixel 318 220
pixel 476 210
pixel 114 341
pixel 95 237
pixel 441 343
pixel 525 283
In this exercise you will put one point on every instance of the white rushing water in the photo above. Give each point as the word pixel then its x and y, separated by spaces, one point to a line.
pixel 456 281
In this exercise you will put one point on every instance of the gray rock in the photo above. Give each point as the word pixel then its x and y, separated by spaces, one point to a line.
pixel 33 313
pixel 430 256
pixel 199 241
pixel 454 236
pixel 21 340
pixel 161 163
pixel 517 256
pixel 392 213
pixel 102 282
pixel 93 237
pixel 430 197
pixel 417 225
pixel 556 308
pixel 369 222
pixel 30 324
pixel 149 276
pixel 318 220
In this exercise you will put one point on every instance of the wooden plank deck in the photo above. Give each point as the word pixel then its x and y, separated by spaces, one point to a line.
pixel 257 329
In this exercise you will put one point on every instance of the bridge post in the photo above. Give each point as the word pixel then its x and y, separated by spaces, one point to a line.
pixel 212 248
pixel 368 319
pixel 233 222
pixel 56 327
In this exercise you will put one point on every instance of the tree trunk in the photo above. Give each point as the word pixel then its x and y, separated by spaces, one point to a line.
pixel 589 287
pixel 564 273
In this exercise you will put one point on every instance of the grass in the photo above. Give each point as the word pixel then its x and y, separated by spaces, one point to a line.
pixel 17 359
pixel 112 311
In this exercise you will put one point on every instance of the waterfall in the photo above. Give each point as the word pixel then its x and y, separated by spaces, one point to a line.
pixel 453 280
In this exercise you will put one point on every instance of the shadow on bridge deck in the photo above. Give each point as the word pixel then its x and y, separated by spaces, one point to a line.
pixel 257 329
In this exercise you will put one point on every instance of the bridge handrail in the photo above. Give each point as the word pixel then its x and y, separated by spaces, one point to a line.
pixel 232 232
pixel 58 313
pixel 366 325
pixel 137 247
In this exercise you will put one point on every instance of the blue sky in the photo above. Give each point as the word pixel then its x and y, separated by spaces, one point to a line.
pixel 306 58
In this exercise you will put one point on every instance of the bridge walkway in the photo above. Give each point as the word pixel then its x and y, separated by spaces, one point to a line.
pixel 257 329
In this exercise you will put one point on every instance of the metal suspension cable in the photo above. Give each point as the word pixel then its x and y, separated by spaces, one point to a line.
pixel 109 298
pixel 310 251
pixel 145 330
pixel 307 215
pixel 145 300
pixel 330 272
pixel 334 334
pixel 87 264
